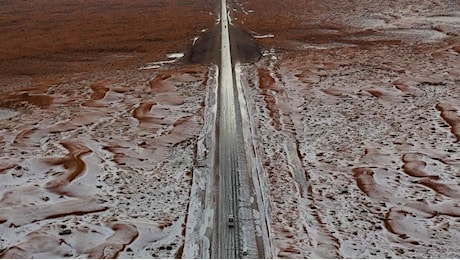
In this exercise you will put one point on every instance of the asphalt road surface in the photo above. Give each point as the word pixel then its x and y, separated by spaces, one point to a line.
pixel 227 241
pixel 236 240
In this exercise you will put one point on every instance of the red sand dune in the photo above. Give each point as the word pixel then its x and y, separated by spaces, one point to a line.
pixel 72 163
pixel 159 84
pixel 414 167
pixel 20 215
pixel 34 243
pixel 451 190
pixel 267 84
pixel 112 246
pixel 99 90
pixel 450 115
pixel 144 116
pixel 11 101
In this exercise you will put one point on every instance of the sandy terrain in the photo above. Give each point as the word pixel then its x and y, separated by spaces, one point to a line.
pixel 98 145
pixel 90 165
pixel 51 37
pixel 354 113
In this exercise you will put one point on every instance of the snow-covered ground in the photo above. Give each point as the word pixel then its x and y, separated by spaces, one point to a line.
pixel 352 115
pixel 100 165
pixel 358 138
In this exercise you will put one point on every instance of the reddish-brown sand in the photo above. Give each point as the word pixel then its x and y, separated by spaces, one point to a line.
pixel 51 37
pixel 354 108
pixel 363 97
pixel 96 154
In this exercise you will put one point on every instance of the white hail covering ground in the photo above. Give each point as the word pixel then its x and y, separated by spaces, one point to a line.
pixel 106 169
pixel 360 146
pixel 356 150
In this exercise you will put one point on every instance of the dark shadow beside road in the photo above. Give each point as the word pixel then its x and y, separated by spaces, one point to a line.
pixel 243 47
pixel 207 48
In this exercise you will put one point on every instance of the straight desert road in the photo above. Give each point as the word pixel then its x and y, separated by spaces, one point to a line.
pixel 231 239
pixel 227 236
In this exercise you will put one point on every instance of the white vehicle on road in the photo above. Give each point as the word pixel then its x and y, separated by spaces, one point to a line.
pixel 231 220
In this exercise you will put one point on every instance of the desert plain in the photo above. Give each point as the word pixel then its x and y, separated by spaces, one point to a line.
pixel 352 123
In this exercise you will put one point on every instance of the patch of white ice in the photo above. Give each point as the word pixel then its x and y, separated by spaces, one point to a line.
pixel 173 57
pixel 426 35
pixel 270 35
pixel 177 55
pixel 194 40
pixel 450 19
pixel 7 114
pixel 150 66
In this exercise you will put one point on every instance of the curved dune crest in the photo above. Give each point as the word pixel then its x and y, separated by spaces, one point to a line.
pixel 450 115
pixel 414 167
pixel 449 208
pixel 405 225
pixel 124 234
pixel 72 162
pixel 449 190
pixel 385 94
pixel 365 181
pixel 20 215
pixel 333 92
pixel 23 195
pixel 39 100
pixel 62 241
pixel 143 115
pixel 159 84
pixel 24 138
pixel 99 91
pixel 34 243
